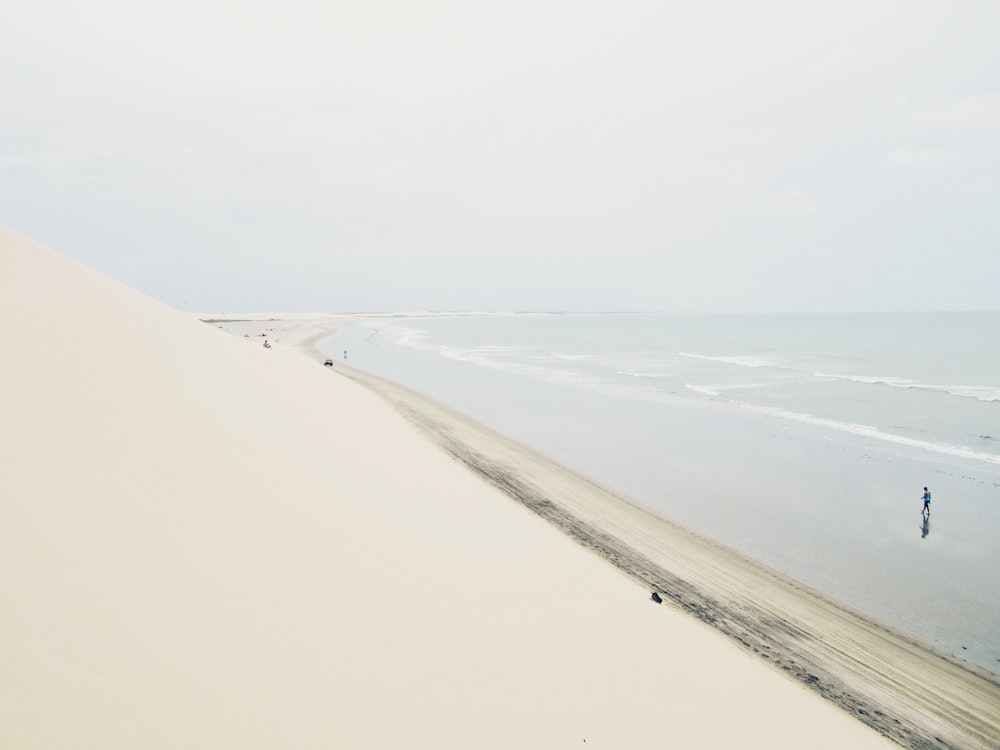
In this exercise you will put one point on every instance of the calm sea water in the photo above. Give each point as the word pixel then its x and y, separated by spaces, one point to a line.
pixel 804 441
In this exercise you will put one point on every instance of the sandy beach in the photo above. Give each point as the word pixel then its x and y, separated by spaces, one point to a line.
pixel 209 543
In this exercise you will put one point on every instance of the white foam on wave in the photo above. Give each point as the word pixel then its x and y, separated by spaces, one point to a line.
pixel 702 389
pixel 978 392
pixel 716 389
pixel 506 358
pixel 868 379
pixel 571 357
pixel 872 432
pixel 493 356
pixel 742 361
pixel 485 355
pixel 406 337
pixel 497 357
pixel 554 375
pixel 559 376
pixel 417 314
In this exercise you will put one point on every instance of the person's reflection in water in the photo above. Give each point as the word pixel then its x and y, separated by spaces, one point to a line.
pixel 925 526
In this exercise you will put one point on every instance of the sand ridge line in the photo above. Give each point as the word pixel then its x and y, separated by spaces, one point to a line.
pixel 903 689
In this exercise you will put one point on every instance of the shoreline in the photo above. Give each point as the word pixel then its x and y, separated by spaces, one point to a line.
pixel 903 688
pixel 833 511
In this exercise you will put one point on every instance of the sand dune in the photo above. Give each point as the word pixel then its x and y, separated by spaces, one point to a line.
pixel 210 544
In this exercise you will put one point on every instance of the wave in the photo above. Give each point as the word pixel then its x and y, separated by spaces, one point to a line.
pixel 977 392
pixel 741 360
pixel 406 337
pixel 868 379
pixel 518 360
pixel 417 314
pixel 578 379
pixel 483 355
pixel 871 432
pixel 715 389
pixel 553 375
pixel 572 357
pixel 702 389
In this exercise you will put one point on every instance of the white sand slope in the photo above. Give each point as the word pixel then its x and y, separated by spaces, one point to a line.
pixel 208 544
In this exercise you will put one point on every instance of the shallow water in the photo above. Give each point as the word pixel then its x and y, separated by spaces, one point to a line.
pixel 802 441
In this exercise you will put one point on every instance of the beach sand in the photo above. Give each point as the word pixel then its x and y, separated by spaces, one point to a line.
pixel 206 543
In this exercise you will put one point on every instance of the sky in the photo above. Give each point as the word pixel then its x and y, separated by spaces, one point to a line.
pixel 326 156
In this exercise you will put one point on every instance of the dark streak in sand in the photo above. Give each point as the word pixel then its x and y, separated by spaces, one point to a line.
pixel 902 688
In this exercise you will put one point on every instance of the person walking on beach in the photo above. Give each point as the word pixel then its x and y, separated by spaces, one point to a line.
pixel 927 502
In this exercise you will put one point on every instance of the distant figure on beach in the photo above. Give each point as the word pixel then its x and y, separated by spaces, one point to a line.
pixel 266 345
pixel 345 353
pixel 927 502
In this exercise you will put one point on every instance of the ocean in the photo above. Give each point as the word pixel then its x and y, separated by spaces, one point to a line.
pixel 801 440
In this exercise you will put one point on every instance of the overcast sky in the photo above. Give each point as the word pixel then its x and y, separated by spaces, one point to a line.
pixel 543 155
